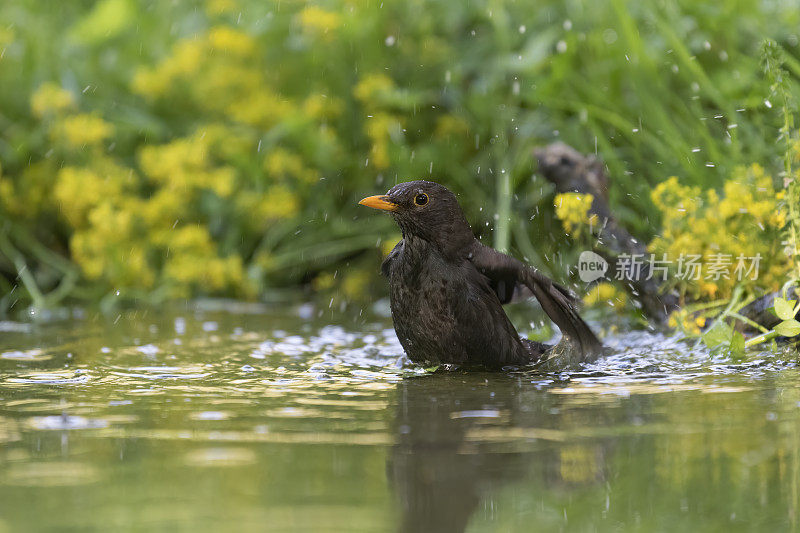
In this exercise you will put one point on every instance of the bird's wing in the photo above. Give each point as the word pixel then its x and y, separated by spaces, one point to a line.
pixel 488 331
pixel 505 273
pixel 387 263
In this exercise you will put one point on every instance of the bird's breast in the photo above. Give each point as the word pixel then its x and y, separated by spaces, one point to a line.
pixel 424 296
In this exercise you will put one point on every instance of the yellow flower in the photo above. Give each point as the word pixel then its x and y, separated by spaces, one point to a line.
pixel 672 321
pixel 162 210
pixel 7 200
pixel 320 106
pixel 573 210
pixel 686 322
pixel 372 87
pixel 324 281
pixel 261 209
pixel 192 238
pixel 221 180
pixel 80 189
pixel 281 163
pixel 221 7
pixel 31 193
pixel 175 162
pixel 708 289
pixel 186 60
pixel 111 249
pixel 261 109
pixel 279 202
pixel 193 261
pixel 605 293
pixel 744 222
pixel 149 82
pixel 316 20
pixel 387 245
pixel 355 283
pixel 81 130
pixel 382 129
pixel 227 142
pixel 184 165
pixel 105 20
pixel 51 98
pixel 7 36
pixel 450 126
pixel 227 39
pixel 778 218
pixel 6 192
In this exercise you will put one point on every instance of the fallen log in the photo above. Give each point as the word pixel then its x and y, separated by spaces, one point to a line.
pixel 570 171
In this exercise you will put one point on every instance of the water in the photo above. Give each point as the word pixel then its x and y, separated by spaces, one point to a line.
pixel 245 419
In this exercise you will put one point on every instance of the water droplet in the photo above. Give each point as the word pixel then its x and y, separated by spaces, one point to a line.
pixel 148 349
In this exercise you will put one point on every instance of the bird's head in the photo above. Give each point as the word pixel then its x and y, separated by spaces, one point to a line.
pixel 426 210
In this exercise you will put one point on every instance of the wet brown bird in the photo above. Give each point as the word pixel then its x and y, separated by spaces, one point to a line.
pixel 447 289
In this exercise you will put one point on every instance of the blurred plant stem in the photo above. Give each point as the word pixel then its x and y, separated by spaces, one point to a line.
pixel 28 246
pixel 773 64
pixel 501 232
pixel 24 274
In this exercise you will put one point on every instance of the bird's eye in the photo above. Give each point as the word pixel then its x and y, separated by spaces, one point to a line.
pixel 421 199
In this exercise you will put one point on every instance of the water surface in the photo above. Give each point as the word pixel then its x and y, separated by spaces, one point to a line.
pixel 301 419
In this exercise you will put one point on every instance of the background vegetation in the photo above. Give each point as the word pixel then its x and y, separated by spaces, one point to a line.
pixel 153 150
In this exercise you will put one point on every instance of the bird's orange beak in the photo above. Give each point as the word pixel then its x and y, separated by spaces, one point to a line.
pixel 379 202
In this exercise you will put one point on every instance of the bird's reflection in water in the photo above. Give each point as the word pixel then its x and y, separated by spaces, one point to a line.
pixel 460 438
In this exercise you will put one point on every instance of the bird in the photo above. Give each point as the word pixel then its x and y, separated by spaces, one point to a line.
pixel 447 289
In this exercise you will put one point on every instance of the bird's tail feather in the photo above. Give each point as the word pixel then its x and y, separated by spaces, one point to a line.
pixel 559 304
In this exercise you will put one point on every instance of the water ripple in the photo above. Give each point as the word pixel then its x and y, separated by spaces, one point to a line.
pixel 59 377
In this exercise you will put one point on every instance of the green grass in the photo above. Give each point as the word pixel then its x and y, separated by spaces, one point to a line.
pixel 655 88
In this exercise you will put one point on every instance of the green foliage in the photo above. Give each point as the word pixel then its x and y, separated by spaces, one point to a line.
pixel 165 149
pixel 738 232
pixel 786 310
pixel 728 225
pixel 721 335
pixel 774 64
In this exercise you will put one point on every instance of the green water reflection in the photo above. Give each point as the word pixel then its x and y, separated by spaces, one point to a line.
pixel 217 420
